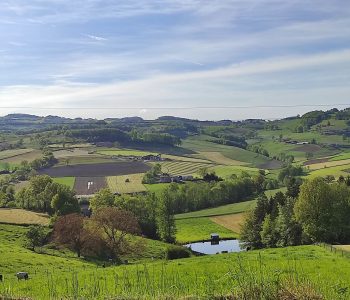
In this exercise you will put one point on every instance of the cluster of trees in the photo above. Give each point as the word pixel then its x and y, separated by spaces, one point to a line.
pixel 44 195
pixel 99 135
pixel 47 161
pixel 271 126
pixel 229 139
pixel 290 171
pixel 107 134
pixel 319 213
pixel 288 159
pixel 199 195
pixel 259 150
pixel 152 175
pixel 155 215
pixel 105 235
pixel 7 194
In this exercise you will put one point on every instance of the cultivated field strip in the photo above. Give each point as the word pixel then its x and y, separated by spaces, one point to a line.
pixel 22 217
pixel 12 153
pixel 183 168
pixel 328 164
pixel 95 170
pixel 126 184
pixel 89 185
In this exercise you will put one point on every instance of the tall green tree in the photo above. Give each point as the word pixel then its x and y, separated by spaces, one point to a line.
pixel 35 236
pixel 166 220
pixel 323 211
pixel 103 198
pixel 269 234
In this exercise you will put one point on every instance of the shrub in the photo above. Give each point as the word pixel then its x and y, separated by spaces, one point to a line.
pixel 175 252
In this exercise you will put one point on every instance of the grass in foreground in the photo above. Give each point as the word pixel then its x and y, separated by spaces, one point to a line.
pixel 304 272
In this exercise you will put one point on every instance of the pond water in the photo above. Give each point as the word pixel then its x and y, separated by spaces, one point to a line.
pixel 211 248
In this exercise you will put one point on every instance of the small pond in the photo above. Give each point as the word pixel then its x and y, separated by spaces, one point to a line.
pixel 214 248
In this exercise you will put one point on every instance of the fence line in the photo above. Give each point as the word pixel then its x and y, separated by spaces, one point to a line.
pixel 335 250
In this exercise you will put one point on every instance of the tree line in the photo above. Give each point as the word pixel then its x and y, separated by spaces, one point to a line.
pixel 318 212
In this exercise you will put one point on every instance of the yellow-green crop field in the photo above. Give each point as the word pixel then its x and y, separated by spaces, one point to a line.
pixel 21 217
pixel 183 168
pixel 11 153
pixel 329 164
pixel 126 184
pixel 335 171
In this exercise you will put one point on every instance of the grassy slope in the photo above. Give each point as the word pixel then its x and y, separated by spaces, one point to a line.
pixel 157 188
pixel 221 210
pixel 199 229
pixel 199 144
pixel 335 171
pixel 55 277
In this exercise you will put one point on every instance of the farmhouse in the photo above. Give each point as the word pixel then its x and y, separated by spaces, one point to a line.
pixel 165 179
pixel 151 157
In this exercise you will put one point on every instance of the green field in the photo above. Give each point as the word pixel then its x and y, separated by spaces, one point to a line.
pixel 126 184
pixel 344 155
pixel 157 188
pixel 69 181
pixel 335 171
pixel 199 144
pixel 199 229
pixel 227 171
pixel 228 209
pixel 304 270
pixel 79 160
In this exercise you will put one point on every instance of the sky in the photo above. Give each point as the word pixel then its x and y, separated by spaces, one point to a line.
pixel 203 59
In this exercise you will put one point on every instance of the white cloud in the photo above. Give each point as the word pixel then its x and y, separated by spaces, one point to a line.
pixel 96 38
pixel 232 86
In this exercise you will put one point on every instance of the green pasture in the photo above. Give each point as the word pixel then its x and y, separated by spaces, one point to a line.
pixel 226 171
pixel 311 270
pixel 228 209
pixel 156 188
pixel 199 229
pixel 199 144
pixel 335 171
pixel 341 156
pixel 82 160
pixel 68 181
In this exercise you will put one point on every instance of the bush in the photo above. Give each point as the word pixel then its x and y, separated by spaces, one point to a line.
pixel 175 252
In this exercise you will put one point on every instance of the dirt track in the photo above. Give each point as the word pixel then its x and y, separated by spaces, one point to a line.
pixel 97 170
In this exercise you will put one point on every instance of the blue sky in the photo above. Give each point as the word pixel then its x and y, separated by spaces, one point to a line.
pixel 197 59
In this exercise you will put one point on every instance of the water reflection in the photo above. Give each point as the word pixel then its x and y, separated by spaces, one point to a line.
pixel 212 247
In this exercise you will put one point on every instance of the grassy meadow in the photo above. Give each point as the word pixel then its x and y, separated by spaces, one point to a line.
pixel 304 271
pixel 68 181
pixel 199 229
pixel 220 210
